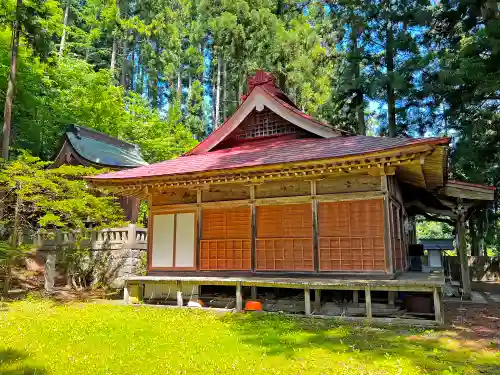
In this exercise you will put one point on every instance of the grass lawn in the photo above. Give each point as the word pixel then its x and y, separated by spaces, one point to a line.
pixel 41 337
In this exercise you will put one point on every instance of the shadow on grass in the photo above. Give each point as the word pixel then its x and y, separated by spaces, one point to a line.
pixel 11 363
pixel 431 351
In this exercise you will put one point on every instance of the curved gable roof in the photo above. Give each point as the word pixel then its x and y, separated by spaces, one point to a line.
pixel 265 95
pixel 103 150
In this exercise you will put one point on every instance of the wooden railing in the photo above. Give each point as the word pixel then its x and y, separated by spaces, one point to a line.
pixel 129 237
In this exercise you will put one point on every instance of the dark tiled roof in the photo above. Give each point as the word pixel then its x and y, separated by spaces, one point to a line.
pixel 104 150
pixel 269 152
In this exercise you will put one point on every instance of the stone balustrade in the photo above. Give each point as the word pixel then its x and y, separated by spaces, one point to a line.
pixel 129 237
pixel 125 247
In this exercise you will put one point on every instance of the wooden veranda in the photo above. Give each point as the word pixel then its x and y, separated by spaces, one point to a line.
pixel 408 282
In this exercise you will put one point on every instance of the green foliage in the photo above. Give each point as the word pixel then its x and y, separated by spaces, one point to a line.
pixel 86 267
pixel 49 338
pixel 146 72
pixel 142 267
pixel 53 198
pixel 36 199
pixel 51 97
pixel 433 229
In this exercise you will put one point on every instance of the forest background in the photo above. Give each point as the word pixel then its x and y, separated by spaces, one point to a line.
pixel 165 73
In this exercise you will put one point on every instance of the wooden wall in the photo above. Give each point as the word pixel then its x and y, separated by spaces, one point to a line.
pixel 351 236
pixel 347 184
pixel 291 226
pixel 283 189
pixel 226 239
pixel 284 238
pixel 226 192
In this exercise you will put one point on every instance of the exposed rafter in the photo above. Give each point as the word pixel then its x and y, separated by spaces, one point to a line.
pixel 377 165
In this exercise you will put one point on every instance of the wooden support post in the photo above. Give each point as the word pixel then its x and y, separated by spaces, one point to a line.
pixel 315 226
pixel 317 299
pixel 392 297
pixel 253 290
pixel 438 311
pixel 307 301
pixel 355 297
pixel 126 293
pixel 140 296
pixel 462 254
pixel 199 222
pixel 387 224
pixel 239 298
pixel 180 302
pixel 253 229
pixel 368 302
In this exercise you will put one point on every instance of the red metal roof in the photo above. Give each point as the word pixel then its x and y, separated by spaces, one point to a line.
pixel 294 109
pixel 268 152
pixel 456 182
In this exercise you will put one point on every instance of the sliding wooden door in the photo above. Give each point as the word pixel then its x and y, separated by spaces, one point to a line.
pixel 173 241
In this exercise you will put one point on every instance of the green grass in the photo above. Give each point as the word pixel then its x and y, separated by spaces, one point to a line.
pixel 40 337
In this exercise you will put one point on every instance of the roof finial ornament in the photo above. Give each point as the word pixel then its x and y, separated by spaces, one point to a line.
pixel 261 78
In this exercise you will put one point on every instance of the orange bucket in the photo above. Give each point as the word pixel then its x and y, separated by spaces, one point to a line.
pixel 253 306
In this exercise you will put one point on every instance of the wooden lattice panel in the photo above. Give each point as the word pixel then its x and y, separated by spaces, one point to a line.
pixel 290 254
pixel 284 238
pixel 226 223
pixel 265 124
pixel 288 221
pixel 351 254
pixel 351 236
pixel 226 239
pixel 225 255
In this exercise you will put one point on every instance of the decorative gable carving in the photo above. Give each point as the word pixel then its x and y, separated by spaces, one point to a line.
pixel 263 124
pixel 280 116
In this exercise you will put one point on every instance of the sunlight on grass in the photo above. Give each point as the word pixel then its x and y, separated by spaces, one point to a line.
pixel 39 337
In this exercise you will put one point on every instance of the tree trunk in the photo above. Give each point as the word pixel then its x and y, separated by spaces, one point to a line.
pixel 113 55
pixel 65 24
pixel 280 10
pixel 462 253
pixel 391 97
pixel 355 66
pixel 224 91
pixel 123 79
pixel 217 94
pixel 14 244
pixel 241 81
pixel 179 85
pixel 11 82
pixel 114 48
pixel 154 88
pixel 474 238
pixel 481 233
pixel 87 50
pixel 127 34
pixel 155 92
pixel 140 70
